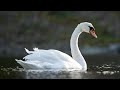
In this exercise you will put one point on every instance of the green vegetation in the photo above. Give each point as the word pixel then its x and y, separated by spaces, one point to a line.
pixel 53 29
pixel 69 19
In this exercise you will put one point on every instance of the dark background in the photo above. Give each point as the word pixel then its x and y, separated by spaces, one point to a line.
pixel 53 29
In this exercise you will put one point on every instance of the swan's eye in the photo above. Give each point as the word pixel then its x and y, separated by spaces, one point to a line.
pixel 91 28
pixel 92 32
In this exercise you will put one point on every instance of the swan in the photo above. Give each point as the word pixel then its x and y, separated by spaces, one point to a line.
pixel 55 59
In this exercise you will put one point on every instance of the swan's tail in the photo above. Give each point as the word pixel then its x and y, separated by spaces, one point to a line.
pixel 22 63
pixel 26 65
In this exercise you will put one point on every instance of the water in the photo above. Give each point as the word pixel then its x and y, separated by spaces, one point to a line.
pixel 99 67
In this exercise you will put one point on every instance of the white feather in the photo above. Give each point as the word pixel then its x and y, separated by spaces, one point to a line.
pixel 54 59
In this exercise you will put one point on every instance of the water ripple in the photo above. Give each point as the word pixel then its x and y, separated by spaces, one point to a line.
pixel 105 71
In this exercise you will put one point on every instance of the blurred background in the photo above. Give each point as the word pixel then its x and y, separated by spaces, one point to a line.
pixel 53 29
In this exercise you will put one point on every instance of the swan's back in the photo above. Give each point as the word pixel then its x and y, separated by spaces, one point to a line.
pixel 51 58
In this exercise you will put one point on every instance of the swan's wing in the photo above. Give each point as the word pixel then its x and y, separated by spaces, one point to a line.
pixel 46 55
pixel 40 55
pixel 49 58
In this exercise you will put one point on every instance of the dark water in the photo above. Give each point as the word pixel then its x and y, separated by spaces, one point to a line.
pixel 99 67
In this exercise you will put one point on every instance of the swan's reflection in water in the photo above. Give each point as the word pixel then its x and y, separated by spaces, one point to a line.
pixel 106 71
pixel 51 74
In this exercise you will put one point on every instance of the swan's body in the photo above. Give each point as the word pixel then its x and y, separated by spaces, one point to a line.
pixel 54 59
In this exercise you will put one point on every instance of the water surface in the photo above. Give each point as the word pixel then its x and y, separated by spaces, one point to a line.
pixel 99 67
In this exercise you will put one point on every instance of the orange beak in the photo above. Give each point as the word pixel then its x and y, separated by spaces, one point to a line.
pixel 92 32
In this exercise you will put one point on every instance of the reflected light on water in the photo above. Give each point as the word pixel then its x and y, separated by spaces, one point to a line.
pixel 106 71
pixel 45 74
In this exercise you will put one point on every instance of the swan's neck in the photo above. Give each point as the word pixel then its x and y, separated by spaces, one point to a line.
pixel 76 54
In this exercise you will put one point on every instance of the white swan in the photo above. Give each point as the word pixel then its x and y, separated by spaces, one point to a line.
pixel 54 59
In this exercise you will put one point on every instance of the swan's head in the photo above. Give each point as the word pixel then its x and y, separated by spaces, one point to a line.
pixel 88 28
